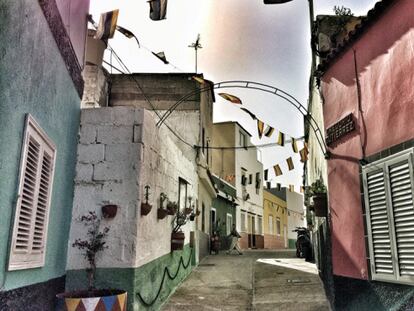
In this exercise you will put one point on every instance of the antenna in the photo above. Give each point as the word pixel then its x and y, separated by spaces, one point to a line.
pixel 196 45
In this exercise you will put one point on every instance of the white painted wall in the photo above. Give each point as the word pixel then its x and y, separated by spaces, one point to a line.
pixel 120 151
pixel 296 207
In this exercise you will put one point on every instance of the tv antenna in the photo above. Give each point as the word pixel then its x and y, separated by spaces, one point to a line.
pixel 196 45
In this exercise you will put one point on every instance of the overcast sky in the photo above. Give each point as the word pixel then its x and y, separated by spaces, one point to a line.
pixel 242 40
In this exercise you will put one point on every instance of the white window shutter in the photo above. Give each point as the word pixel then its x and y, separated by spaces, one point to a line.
pixel 401 198
pixel 28 245
pixel 380 243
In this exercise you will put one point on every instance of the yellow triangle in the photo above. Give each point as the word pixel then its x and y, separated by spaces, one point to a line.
pixel 121 300
pixel 72 303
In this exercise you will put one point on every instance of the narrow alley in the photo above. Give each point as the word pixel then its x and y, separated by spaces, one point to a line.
pixel 257 280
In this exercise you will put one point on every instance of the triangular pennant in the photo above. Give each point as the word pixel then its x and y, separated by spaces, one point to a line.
pixel 126 32
pixel 199 79
pixel 266 174
pixel 260 127
pixel 90 303
pixel 290 163
pixel 303 155
pixel 281 139
pixel 72 303
pixel 107 25
pixel 158 9
pixel 121 301
pixel 277 169
pixel 250 114
pixel 278 186
pixel 269 131
pixel 161 56
pixel 294 145
pixel 231 98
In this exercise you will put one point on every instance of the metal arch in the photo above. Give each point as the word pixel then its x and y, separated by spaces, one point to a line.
pixel 260 87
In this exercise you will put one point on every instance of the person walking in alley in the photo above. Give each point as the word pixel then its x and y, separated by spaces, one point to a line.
pixel 234 235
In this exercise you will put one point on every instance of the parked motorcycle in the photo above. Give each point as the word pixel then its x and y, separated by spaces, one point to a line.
pixel 303 243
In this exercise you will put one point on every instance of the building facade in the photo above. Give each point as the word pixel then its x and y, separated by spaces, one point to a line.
pixel 41 86
pixel 368 100
pixel 275 220
pixel 242 169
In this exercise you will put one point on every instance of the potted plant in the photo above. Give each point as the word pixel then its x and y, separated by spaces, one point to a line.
pixel 92 298
pixel 172 208
pixel 145 206
pixel 318 192
pixel 162 212
pixel 177 236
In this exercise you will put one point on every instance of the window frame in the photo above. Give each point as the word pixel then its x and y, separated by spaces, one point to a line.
pixel 229 225
pixel 278 226
pixel 182 182
pixel 383 166
pixel 19 260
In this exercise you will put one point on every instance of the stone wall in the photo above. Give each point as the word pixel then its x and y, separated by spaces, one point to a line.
pixel 95 93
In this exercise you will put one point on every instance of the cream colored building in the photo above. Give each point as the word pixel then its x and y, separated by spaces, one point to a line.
pixel 275 220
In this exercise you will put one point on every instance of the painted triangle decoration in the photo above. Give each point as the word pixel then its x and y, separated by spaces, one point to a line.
pixel 90 303
pixel 72 303
pixel 231 98
pixel 121 300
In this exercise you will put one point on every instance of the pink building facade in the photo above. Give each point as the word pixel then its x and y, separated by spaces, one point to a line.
pixel 371 77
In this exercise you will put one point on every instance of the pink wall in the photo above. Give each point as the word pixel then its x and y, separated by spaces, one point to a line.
pixel 385 58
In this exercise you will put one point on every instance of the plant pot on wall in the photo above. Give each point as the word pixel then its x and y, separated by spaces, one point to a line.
pixel 92 300
pixel 177 241
pixel 145 208
pixel 162 213
pixel 320 204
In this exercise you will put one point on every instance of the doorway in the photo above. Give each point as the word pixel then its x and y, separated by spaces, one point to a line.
pixel 251 229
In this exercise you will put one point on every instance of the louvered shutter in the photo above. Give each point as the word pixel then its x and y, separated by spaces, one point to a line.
pixel 32 210
pixel 400 173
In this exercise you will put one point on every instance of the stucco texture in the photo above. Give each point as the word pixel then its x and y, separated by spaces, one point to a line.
pixel 34 80
pixel 384 58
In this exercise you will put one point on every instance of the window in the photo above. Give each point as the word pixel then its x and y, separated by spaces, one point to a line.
pixel 242 221
pixel 270 226
pixel 229 223
pixel 258 183
pixel 243 177
pixel 277 225
pixel 242 139
pixel 388 194
pixel 259 225
pixel 182 193
pixel 250 179
pixel 203 217
pixel 28 246
pixel 203 141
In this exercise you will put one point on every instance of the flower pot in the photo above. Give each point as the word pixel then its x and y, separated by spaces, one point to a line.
pixel 188 210
pixel 177 241
pixel 94 300
pixel 171 210
pixel 162 213
pixel 320 205
pixel 145 209
pixel 198 212
pixel 192 217
pixel 109 211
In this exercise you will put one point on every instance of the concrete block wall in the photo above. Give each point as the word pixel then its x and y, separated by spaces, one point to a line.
pixel 120 151
pixel 95 93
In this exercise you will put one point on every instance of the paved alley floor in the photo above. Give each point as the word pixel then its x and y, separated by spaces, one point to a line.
pixel 256 280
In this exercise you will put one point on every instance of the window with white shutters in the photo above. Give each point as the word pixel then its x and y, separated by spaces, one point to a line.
pixel 388 189
pixel 35 186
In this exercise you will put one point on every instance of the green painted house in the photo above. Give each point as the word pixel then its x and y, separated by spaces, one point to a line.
pixel 40 90
pixel 224 210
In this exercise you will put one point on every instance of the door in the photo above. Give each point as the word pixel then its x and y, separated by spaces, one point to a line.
pixel 285 235
pixel 212 220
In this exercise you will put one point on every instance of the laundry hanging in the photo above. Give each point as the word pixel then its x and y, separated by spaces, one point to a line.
pixel 277 169
pixel 158 9
pixel 107 25
pixel 260 127
pixel 161 56
pixel 231 98
pixel 253 116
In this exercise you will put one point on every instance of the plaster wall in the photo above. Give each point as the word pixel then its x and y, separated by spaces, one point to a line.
pixel 34 79
pixel 120 152
pixel 223 160
pixel 296 208
pixel 95 93
pixel 385 120
pixel 277 208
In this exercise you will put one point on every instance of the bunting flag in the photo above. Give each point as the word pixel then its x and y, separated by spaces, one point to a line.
pixel 269 131
pixel 278 186
pixel 161 56
pixel 268 185
pixel 231 98
pixel 260 127
pixel 303 155
pixel 107 25
pixel 294 145
pixel 290 163
pixel 277 169
pixel 266 174
pixel 126 32
pixel 281 139
pixel 199 79
pixel 158 9
pixel 249 113
pixel 291 188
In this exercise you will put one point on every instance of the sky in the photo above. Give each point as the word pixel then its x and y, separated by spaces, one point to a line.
pixel 241 40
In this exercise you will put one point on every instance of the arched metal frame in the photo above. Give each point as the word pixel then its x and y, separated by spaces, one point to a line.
pixel 260 87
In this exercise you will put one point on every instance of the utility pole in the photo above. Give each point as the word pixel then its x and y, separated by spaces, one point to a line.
pixel 196 45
